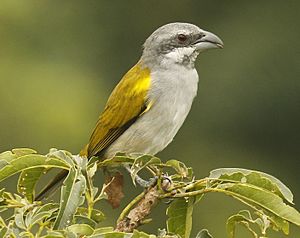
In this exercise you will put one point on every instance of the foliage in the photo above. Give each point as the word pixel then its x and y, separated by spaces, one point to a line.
pixel 75 215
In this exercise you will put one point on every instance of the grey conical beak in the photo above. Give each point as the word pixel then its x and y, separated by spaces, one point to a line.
pixel 208 41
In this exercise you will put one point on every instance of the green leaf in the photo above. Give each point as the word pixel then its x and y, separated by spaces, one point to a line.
pixel 103 230
pixel 244 218
pixel 19 221
pixel 161 232
pixel 41 214
pixel 141 162
pixel 63 155
pixel 2 222
pixel 261 181
pixel 6 157
pixel 180 217
pixel 48 207
pixel 23 151
pixel 109 233
pixel 28 180
pixel 3 231
pixel 140 234
pixel 277 223
pixel 260 198
pixel 78 219
pixel 71 198
pixel 96 214
pixel 26 234
pixel 91 171
pixel 113 234
pixel 81 229
pixel 204 234
pixel 29 162
pixel 180 168
pixel 118 160
pixel 55 234
pixel 278 187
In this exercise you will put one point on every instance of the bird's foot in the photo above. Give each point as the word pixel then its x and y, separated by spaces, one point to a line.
pixel 165 183
pixel 165 180
pixel 146 183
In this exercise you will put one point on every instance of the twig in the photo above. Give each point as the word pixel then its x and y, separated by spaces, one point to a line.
pixel 127 209
pixel 143 208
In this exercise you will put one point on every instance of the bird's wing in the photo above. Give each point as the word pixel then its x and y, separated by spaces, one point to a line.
pixel 126 103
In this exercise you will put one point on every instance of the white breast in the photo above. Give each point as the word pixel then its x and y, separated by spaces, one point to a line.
pixel 172 93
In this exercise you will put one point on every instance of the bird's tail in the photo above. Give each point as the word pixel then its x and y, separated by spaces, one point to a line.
pixel 114 189
pixel 52 185
pixel 57 181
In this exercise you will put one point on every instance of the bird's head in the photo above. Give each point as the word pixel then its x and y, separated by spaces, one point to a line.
pixel 178 43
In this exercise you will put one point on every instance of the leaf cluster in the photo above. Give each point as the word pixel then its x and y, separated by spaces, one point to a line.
pixel 75 215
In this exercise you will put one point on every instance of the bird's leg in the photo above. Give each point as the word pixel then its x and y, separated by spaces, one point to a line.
pixel 142 182
pixel 165 183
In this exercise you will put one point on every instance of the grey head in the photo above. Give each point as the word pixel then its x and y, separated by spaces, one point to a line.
pixel 178 43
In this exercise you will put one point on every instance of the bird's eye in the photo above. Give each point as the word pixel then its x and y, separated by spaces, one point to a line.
pixel 182 37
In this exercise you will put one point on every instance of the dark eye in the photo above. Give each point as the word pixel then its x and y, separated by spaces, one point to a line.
pixel 182 37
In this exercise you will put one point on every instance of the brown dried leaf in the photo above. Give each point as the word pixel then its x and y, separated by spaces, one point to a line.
pixel 114 190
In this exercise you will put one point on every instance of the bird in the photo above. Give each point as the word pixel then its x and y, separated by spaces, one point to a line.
pixel 151 102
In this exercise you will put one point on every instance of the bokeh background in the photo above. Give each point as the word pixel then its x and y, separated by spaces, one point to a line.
pixel 59 60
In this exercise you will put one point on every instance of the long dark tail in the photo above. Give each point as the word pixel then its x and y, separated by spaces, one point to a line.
pixel 52 185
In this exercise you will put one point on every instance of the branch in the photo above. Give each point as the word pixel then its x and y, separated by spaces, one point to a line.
pixel 142 209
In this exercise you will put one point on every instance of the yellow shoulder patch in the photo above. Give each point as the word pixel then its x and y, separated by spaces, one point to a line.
pixel 127 101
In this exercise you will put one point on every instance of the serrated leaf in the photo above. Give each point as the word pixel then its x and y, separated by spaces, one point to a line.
pixel 204 234
pixel 284 190
pixel 260 198
pixel 81 229
pixel 29 162
pixel 71 198
pixel 141 162
pixel 180 217
pixel 28 180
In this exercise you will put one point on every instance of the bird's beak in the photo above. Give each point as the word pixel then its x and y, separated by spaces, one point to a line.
pixel 207 41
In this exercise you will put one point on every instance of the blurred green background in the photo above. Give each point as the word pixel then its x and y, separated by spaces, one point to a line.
pixel 59 60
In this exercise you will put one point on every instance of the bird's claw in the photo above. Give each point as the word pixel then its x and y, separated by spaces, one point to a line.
pixel 144 183
pixel 165 182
